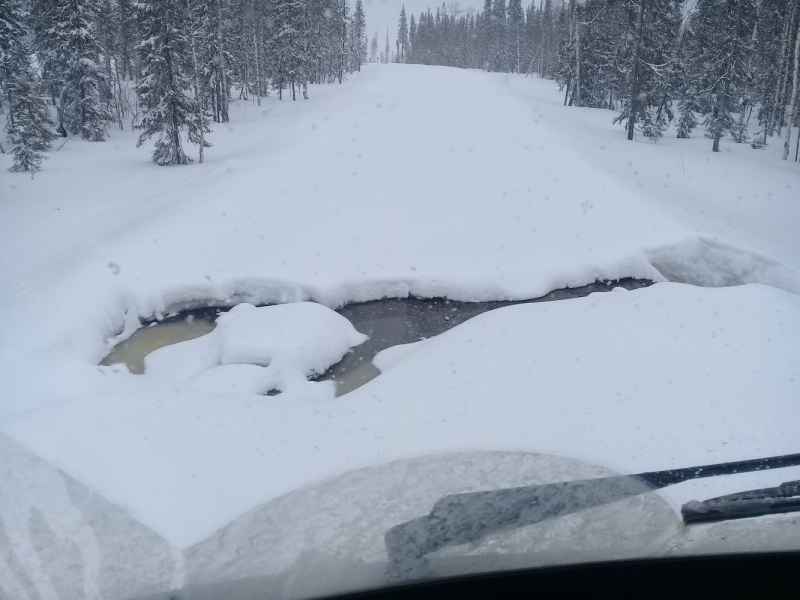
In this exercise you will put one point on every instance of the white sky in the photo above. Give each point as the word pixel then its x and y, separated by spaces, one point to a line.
pixel 385 13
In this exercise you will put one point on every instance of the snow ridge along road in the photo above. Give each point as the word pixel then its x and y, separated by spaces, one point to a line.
pixel 409 179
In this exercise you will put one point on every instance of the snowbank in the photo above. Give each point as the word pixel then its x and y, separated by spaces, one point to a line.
pixel 709 263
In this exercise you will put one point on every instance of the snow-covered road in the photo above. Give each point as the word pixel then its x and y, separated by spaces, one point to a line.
pixel 408 179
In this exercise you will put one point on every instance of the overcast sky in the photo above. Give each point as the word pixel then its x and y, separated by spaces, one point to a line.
pixel 384 13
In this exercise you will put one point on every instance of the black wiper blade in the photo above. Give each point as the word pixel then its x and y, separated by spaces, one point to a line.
pixel 784 498
pixel 465 518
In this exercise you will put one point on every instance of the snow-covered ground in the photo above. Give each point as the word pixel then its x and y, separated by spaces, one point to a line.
pixel 405 180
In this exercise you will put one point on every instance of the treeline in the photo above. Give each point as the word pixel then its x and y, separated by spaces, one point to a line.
pixel 73 67
pixel 721 63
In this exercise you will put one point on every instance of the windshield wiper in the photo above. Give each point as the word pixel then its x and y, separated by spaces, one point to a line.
pixel 464 518
pixel 742 505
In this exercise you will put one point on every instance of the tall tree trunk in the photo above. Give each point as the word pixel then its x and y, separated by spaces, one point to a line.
pixel 790 111
pixel 124 41
pixel 783 74
pixel 577 63
pixel 741 129
pixel 733 34
pixel 566 93
pixel 717 130
pixel 120 94
pixel 224 87
pixel 258 72
pixel 173 129
pixel 797 148
pixel 635 78
pixel 197 97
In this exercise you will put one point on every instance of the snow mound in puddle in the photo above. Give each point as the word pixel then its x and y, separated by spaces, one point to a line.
pixel 255 350
pixel 708 263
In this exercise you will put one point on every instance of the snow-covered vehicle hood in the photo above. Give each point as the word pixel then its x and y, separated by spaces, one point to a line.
pixel 329 537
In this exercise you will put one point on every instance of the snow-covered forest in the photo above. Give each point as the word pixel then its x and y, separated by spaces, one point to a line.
pixel 77 67
pixel 170 68
pixel 722 65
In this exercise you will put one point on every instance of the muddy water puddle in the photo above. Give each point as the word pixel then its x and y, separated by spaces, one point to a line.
pixel 387 322
pixel 155 335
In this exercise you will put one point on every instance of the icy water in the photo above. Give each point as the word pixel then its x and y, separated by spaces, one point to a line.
pixel 156 335
pixel 387 322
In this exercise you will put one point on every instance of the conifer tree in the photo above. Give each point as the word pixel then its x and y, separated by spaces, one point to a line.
pixel 412 36
pixel 487 35
pixel 81 104
pixel 343 25
pixel 687 121
pixel 499 57
pixel 790 111
pixel 402 36
pixel 516 23
pixel 28 123
pixel 373 49
pixel 126 37
pixel 781 58
pixel 43 17
pixel 656 88
pixel 358 31
pixel 106 32
pixel 166 83
pixel 717 63
pixel 286 46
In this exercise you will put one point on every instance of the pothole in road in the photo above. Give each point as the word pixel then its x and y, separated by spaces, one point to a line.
pixel 388 322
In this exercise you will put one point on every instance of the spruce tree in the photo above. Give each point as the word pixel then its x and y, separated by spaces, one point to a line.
pixel 487 35
pixel 358 30
pixel 107 28
pixel 28 123
pixel 686 121
pixel 790 110
pixel 83 109
pixel 719 54
pixel 412 37
pixel 126 37
pixel 402 36
pixel 52 62
pixel 342 26
pixel 286 46
pixel 168 110
pixel 373 48
pixel 498 56
pixel 514 47
pixel 213 21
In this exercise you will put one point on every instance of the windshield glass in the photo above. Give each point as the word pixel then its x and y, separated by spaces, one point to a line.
pixel 285 284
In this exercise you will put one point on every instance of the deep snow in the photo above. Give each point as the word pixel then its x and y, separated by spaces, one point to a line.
pixel 407 179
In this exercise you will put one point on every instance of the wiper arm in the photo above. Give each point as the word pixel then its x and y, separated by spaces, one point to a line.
pixel 464 518
pixel 742 505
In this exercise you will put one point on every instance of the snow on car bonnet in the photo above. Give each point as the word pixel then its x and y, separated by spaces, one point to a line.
pixel 257 350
